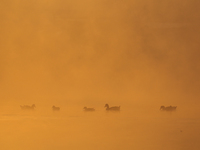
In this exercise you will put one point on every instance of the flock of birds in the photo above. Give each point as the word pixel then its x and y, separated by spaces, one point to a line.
pixel 54 108
pixel 108 108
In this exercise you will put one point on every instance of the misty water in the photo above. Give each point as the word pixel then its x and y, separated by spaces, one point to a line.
pixel 136 54
pixel 72 128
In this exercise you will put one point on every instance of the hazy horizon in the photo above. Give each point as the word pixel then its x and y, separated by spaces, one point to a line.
pixel 100 50
pixel 136 54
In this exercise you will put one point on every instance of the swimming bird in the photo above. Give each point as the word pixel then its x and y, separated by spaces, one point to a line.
pixel 27 107
pixel 88 109
pixel 54 108
pixel 114 108
pixel 168 108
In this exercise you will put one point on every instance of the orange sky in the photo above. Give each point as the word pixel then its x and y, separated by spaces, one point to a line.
pixel 86 51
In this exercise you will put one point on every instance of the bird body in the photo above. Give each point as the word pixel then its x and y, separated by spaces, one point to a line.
pixel 168 108
pixel 27 107
pixel 88 109
pixel 54 108
pixel 114 108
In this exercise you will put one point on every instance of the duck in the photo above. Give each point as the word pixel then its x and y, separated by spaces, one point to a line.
pixel 114 108
pixel 54 108
pixel 168 108
pixel 88 109
pixel 27 107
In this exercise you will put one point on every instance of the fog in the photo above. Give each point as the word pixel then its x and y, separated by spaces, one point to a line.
pixel 136 54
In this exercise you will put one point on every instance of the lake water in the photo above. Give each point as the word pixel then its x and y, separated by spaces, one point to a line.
pixel 73 129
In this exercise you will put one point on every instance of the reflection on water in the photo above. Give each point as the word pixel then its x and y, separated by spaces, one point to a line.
pixel 75 129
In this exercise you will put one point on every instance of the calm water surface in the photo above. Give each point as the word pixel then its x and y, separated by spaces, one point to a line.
pixel 139 129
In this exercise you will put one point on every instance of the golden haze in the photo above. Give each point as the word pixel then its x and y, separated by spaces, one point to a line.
pixel 136 54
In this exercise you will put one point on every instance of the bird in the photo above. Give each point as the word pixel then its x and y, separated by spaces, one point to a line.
pixel 27 107
pixel 54 108
pixel 168 108
pixel 88 109
pixel 114 108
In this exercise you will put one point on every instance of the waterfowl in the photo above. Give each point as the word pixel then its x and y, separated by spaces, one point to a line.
pixel 168 108
pixel 114 108
pixel 88 109
pixel 27 107
pixel 54 108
